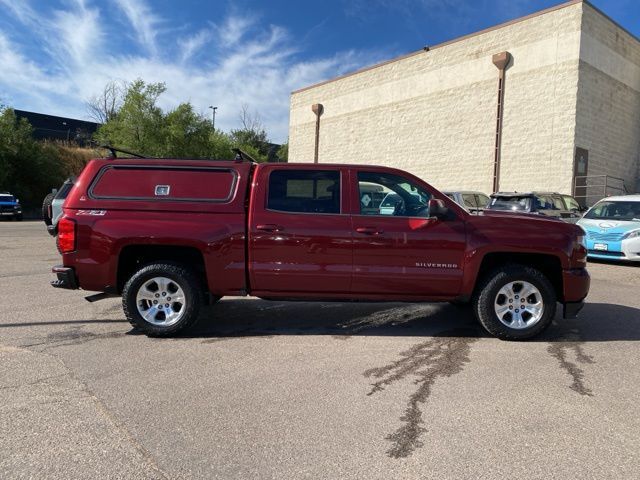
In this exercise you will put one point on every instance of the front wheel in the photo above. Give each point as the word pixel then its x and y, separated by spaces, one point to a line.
pixel 515 302
pixel 162 299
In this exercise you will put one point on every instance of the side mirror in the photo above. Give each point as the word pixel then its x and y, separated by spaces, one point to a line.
pixel 437 209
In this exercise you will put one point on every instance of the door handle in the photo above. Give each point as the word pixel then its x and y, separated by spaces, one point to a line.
pixel 369 230
pixel 269 227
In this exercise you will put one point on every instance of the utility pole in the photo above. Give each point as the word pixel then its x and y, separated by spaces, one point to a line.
pixel 213 116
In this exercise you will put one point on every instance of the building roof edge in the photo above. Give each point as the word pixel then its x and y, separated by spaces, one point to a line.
pixel 456 40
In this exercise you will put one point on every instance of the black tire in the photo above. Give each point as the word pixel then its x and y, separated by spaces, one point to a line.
pixel 18 218
pixel 180 276
pixel 46 203
pixel 487 295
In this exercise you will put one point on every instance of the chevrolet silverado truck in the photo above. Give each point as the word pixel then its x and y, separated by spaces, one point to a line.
pixel 169 235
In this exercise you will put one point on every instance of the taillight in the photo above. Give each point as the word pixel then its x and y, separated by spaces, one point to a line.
pixel 66 235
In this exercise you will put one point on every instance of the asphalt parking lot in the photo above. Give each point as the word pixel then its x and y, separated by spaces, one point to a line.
pixel 262 390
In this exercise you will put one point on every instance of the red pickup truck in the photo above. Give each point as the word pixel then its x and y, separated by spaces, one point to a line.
pixel 168 235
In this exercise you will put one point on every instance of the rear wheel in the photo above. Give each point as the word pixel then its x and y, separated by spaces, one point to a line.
pixel 162 299
pixel 515 302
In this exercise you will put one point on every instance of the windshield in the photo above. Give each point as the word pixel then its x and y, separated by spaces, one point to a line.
pixel 617 210
pixel 7 198
pixel 65 189
pixel 518 204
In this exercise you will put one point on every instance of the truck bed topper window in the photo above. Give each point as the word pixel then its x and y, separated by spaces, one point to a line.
pixel 178 184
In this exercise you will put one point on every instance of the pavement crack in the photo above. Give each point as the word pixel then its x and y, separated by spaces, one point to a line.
pixel 560 350
pixel 442 356
pixel 112 418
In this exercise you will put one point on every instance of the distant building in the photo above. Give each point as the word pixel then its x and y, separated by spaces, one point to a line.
pixel 50 127
pixel 548 102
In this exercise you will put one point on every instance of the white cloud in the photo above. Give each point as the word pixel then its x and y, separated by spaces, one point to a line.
pixel 234 28
pixel 234 63
pixel 143 22
pixel 191 45
pixel 78 30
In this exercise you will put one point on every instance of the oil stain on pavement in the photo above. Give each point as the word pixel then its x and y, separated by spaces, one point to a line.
pixel 442 356
pixel 560 350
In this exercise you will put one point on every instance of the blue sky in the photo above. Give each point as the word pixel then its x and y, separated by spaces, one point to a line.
pixel 57 54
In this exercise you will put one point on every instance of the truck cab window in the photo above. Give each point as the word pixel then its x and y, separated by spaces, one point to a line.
pixel 304 191
pixel 386 194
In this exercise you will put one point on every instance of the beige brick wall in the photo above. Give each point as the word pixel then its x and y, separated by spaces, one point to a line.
pixel 608 109
pixel 433 113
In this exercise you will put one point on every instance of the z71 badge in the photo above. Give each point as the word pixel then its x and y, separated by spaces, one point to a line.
pixel 93 213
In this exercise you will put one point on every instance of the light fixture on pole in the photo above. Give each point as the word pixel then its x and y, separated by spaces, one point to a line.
pixel 213 116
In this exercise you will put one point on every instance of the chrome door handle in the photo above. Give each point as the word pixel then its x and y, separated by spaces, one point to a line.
pixel 369 230
pixel 269 227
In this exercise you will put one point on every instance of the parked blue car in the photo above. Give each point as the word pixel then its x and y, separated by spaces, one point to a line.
pixel 613 228
pixel 10 206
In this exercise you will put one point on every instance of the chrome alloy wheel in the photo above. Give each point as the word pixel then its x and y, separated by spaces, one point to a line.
pixel 161 301
pixel 519 305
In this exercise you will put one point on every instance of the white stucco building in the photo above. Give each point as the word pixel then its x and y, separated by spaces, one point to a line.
pixel 570 107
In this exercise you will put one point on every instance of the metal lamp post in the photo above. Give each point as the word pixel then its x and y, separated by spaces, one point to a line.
pixel 213 116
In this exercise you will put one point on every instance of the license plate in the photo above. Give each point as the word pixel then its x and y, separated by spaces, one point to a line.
pixel 601 246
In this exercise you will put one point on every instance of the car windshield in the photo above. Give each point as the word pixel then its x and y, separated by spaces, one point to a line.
pixel 7 198
pixel 65 189
pixel 514 203
pixel 616 210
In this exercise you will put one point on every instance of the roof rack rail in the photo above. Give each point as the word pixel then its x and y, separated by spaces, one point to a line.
pixel 114 151
pixel 243 156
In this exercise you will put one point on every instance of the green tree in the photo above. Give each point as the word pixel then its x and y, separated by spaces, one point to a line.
pixel 185 133
pixel 283 152
pixel 138 124
pixel 252 137
pixel 28 169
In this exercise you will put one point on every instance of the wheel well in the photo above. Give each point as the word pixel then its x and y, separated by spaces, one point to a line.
pixel 549 265
pixel 133 257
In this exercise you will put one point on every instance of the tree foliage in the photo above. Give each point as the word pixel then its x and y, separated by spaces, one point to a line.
pixel 283 152
pixel 28 169
pixel 103 107
pixel 140 125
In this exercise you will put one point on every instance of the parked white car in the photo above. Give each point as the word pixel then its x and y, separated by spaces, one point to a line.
pixel 613 228
pixel 473 201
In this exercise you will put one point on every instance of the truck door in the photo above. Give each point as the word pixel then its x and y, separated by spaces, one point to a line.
pixel 300 239
pixel 402 252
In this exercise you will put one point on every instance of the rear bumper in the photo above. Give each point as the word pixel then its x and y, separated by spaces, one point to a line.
pixel 66 278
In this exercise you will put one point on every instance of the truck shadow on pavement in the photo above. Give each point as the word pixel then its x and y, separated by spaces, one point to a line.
pixel 449 333
pixel 233 318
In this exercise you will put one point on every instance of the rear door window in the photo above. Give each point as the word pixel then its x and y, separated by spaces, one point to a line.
pixel 469 200
pixel 557 202
pixel 304 191
pixel 482 201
